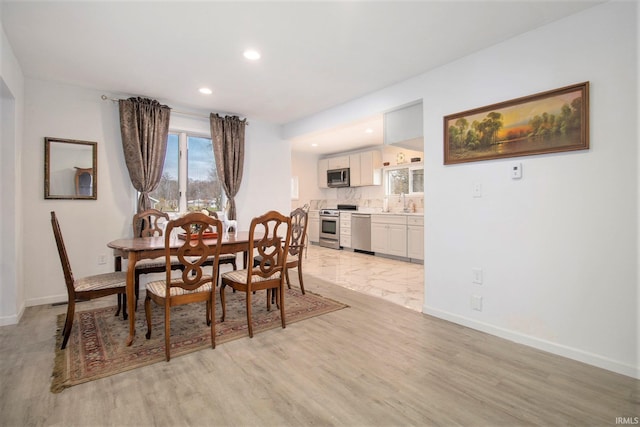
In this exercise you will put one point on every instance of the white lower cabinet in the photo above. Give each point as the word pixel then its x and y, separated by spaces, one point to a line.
pixel 345 229
pixel 313 228
pixel 415 237
pixel 389 234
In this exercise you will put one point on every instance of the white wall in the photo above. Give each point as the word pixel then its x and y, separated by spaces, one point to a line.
pixel 12 299
pixel 65 111
pixel 559 248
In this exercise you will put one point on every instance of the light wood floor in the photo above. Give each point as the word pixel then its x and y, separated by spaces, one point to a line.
pixel 375 363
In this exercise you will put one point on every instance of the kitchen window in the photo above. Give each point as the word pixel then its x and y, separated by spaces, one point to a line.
pixel 189 180
pixel 404 180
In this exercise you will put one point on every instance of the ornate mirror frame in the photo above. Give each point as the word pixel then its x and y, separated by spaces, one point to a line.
pixel 70 169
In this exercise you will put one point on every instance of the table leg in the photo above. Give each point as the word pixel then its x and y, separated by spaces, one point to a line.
pixel 131 297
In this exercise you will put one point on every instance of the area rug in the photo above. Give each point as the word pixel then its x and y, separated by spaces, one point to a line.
pixel 96 347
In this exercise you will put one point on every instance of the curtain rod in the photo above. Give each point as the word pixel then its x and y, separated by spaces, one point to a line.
pixel 202 116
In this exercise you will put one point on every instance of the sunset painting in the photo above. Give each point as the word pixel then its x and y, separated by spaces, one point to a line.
pixel 547 122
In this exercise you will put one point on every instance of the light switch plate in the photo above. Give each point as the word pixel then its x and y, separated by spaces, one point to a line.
pixel 516 170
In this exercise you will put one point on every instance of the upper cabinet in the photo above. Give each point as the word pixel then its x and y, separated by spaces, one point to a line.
pixel 364 168
pixel 323 166
pixel 370 164
pixel 404 127
pixel 338 162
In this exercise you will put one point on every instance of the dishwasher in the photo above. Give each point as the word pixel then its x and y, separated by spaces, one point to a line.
pixel 361 232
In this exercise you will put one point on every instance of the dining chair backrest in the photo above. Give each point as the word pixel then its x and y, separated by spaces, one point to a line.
pixel 273 231
pixel 64 258
pixel 193 253
pixel 299 218
pixel 147 223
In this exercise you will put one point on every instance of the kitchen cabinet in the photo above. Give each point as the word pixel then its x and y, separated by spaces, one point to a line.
pixel 404 127
pixel 323 166
pixel 389 234
pixel 338 162
pixel 354 170
pixel 313 228
pixel 370 164
pixel 345 229
pixel 415 237
pixel 365 168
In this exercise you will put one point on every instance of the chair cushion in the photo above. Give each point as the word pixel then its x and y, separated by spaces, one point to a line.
pixel 153 263
pixel 240 276
pixel 101 281
pixel 158 288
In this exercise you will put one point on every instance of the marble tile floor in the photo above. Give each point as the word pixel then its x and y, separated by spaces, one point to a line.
pixel 396 281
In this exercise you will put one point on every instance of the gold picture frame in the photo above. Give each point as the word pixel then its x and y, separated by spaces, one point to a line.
pixel 546 122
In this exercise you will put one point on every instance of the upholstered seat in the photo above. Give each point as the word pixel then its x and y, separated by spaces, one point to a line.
pixel 100 281
pixel 159 287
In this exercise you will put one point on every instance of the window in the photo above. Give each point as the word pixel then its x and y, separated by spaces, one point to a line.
pixel 189 181
pixel 404 180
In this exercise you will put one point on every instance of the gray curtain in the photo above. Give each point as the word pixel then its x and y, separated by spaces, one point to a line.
pixel 227 134
pixel 144 124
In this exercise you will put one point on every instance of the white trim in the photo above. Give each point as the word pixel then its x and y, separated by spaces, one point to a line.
pixel 540 344
pixel 13 319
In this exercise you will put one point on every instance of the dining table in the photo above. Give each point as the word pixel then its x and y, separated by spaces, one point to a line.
pixel 136 248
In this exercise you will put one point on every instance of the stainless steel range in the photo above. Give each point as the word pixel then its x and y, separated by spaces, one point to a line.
pixel 330 226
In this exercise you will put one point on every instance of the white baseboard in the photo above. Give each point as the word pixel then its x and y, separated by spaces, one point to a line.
pixel 14 319
pixel 540 344
pixel 53 299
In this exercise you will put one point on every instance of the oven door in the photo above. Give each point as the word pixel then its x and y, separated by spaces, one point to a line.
pixel 330 232
pixel 329 227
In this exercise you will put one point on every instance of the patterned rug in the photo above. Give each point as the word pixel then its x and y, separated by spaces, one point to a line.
pixel 96 347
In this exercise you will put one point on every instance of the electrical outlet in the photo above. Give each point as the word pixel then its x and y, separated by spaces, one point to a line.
pixel 477 189
pixel 102 259
pixel 477 275
pixel 476 302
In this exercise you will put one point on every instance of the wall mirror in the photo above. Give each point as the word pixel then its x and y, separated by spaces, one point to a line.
pixel 70 169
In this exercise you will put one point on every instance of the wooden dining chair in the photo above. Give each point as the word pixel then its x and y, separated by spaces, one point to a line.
pixel 297 244
pixel 148 224
pixel 272 248
pixel 193 285
pixel 86 288
pixel 299 218
pixel 224 258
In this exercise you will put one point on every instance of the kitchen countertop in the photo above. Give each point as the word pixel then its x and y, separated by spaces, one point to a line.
pixel 378 212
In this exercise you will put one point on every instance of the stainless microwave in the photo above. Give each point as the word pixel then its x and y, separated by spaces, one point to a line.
pixel 338 178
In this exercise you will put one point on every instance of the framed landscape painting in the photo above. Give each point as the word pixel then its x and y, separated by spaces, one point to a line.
pixel 547 122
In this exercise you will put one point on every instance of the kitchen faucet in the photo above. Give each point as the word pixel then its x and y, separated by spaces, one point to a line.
pixel 404 203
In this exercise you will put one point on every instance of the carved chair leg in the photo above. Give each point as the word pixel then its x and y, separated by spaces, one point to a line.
pixel 167 333
pixel 250 326
pixel 300 278
pixel 147 312
pixel 71 308
pixel 222 301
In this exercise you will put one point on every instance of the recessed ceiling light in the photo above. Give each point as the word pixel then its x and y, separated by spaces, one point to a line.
pixel 314 145
pixel 369 130
pixel 205 91
pixel 251 54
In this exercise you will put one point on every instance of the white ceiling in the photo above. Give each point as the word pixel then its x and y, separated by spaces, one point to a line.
pixel 315 54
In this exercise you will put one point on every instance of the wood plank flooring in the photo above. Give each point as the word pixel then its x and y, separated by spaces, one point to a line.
pixel 375 363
